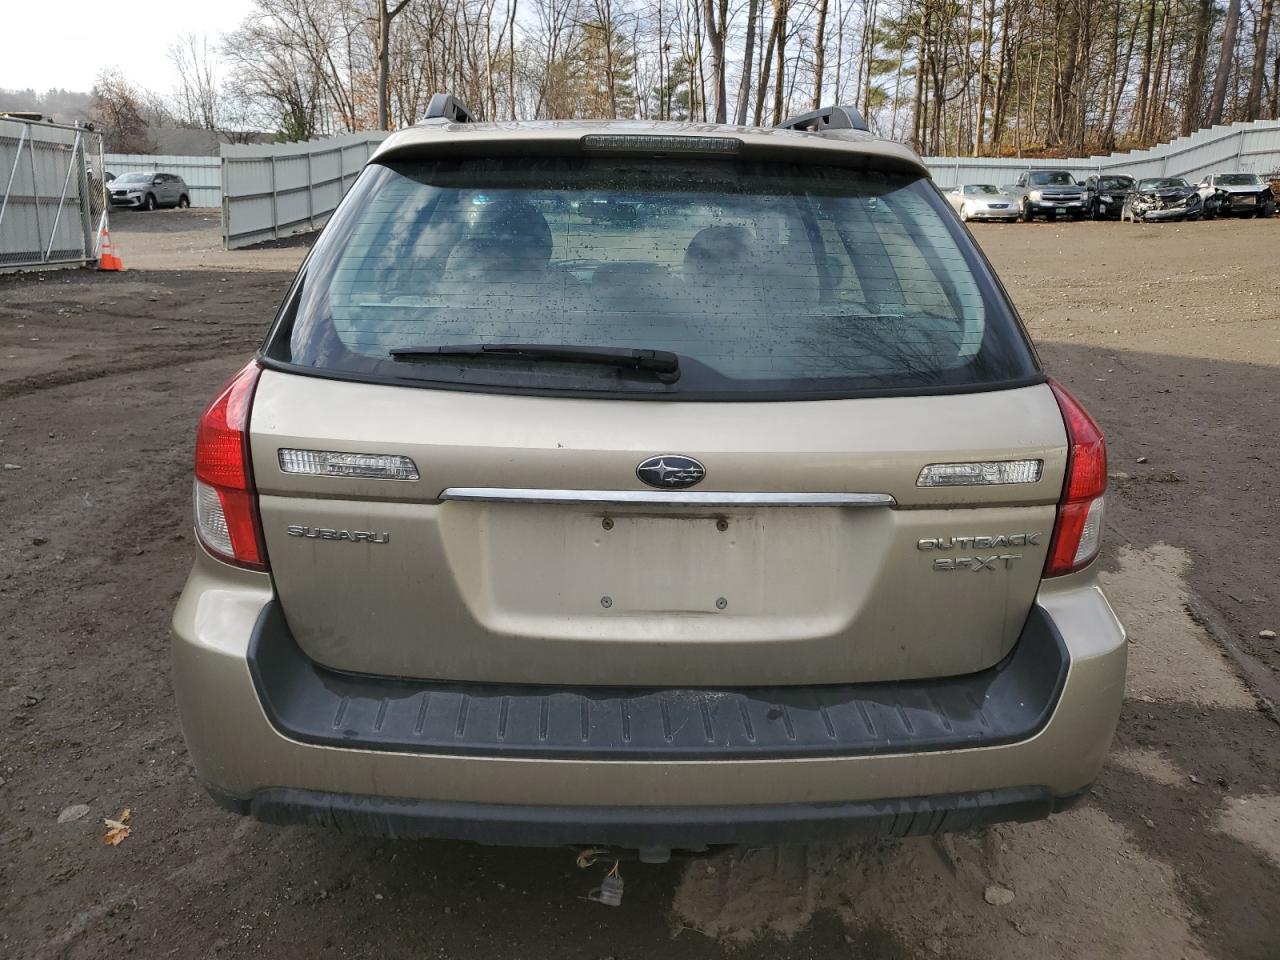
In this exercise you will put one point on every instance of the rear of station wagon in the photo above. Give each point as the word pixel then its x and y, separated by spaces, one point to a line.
pixel 649 485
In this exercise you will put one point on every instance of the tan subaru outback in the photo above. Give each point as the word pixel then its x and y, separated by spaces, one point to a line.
pixel 650 485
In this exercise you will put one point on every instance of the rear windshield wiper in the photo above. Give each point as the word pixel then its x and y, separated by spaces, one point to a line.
pixel 663 364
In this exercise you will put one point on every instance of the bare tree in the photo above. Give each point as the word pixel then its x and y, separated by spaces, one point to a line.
pixel 383 52
pixel 819 53
pixel 117 111
pixel 748 51
pixel 716 16
pixel 967 76
pixel 1257 76
pixel 198 97
pixel 1226 60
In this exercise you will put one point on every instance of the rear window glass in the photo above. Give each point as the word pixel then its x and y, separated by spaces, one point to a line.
pixel 762 279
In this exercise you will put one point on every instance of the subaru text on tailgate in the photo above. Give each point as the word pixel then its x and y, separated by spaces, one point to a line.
pixel 746 517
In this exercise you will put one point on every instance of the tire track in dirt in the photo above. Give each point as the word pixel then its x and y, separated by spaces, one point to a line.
pixel 123 366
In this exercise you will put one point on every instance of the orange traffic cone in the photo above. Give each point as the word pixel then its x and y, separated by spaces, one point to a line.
pixel 107 259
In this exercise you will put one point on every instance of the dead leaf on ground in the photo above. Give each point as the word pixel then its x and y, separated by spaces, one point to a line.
pixel 117 829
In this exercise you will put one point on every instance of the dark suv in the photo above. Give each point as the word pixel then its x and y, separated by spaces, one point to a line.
pixel 1104 195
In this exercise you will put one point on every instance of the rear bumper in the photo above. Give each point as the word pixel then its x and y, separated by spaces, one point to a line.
pixel 311 704
pixel 256 761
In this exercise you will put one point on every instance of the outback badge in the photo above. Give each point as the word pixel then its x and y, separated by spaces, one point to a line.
pixel 992 562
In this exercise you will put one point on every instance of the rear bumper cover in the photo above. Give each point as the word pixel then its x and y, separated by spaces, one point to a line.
pixel 1008 703
pixel 775 790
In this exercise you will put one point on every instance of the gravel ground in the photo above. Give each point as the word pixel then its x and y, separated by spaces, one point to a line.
pixel 1170 334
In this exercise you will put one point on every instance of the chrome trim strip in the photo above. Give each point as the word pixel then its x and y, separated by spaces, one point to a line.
pixel 674 498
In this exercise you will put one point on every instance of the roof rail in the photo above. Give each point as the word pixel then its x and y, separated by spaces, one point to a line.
pixel 445 106
pixel 826 118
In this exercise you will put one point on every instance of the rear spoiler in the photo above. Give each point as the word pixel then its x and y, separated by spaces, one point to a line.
pixel 842 138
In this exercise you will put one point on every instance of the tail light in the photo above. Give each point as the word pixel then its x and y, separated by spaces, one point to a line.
pixel 226 504
pixel 1077 534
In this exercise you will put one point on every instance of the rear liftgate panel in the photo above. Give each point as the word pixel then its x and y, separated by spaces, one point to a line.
pixel 529 551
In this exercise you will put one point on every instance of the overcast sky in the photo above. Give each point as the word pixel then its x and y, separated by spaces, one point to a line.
pixel 64 43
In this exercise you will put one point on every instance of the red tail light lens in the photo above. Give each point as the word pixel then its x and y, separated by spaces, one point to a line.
pixel 226 505
pixel 1077 534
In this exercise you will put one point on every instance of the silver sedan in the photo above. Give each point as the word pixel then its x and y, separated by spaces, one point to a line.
pixel 982 201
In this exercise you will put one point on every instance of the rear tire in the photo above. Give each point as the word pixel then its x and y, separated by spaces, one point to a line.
pixel 1026 215
pixel 183 202
pixel 964 213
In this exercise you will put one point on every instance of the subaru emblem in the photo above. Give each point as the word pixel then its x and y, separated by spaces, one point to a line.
pixel 671 472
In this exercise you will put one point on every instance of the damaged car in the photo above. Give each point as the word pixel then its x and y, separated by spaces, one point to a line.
pixel 1237 194
pixel 1162 198
pixel 1104 196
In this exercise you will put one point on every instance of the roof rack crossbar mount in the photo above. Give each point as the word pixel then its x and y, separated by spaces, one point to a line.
pixel 445 106
pixel 826 118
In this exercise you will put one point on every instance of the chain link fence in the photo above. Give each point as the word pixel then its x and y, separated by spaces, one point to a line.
pixel 53 200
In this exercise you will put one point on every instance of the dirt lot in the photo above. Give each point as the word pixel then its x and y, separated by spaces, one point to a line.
pixel 1171 334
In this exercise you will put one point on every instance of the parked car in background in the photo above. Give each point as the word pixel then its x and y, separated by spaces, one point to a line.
pixel 1237 194
pixel 1104 195
pixel 508 539
pixel 146 191
pixel 1047 193
pixel 981 201
pixel 1162 198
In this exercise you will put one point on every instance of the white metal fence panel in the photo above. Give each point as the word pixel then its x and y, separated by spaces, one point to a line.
pixel 1243 147
pixel 203 175
pixel 51 197
pixel 271 191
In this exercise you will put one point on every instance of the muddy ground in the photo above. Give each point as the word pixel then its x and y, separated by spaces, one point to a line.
pixel 1171 335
